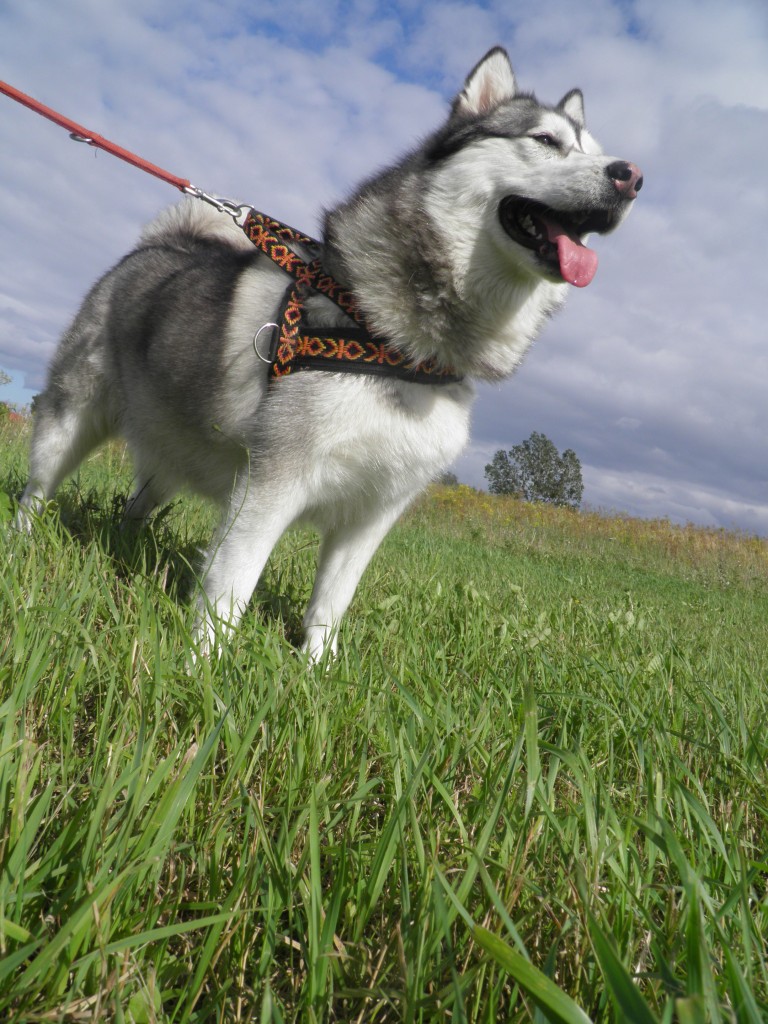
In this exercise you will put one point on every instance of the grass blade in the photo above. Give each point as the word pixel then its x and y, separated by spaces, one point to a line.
pixel 552 1001
pixel 743 1001
pixel 533 761
pixel 629 1004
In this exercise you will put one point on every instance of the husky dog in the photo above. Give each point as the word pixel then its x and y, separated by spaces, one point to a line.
pixel 456 256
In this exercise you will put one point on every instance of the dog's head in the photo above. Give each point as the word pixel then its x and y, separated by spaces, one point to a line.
pixel 534 171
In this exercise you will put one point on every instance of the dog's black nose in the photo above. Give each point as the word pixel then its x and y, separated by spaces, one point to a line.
pixel 627 178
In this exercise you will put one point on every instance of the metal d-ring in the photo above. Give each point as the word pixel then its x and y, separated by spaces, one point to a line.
pixel 263 327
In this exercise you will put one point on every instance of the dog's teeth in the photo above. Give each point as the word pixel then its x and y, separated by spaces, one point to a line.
pixel 528 225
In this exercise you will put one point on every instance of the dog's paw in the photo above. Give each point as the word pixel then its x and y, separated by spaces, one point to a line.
pixel 320 644
pixel 23 520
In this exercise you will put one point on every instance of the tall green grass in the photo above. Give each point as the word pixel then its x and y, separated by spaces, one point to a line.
pixel 532 787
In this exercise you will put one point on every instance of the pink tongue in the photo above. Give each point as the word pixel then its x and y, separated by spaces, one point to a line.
pixel 578 264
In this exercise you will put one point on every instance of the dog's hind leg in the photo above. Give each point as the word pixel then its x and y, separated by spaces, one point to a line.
pixel 63 434
pixel 73 413
pixel 142 502
pixel 152 488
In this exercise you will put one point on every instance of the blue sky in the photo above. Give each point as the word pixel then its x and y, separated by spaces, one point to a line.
pixel 657 374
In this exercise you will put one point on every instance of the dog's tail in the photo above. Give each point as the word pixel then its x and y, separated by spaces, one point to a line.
pixel 191 221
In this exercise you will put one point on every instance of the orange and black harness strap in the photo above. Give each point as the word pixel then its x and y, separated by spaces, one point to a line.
pixel 295 347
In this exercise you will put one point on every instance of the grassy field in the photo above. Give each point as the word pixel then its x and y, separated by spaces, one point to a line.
pixel 533 786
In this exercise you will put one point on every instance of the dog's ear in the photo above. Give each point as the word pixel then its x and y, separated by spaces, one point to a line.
pixel 490 83
pixel 572 105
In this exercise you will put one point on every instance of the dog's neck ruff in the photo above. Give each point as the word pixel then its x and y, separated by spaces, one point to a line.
pixel 354 349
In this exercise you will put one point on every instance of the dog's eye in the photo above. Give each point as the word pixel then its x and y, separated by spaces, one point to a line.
pixel 546 139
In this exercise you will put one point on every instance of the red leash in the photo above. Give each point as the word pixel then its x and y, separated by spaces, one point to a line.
pixel 80 134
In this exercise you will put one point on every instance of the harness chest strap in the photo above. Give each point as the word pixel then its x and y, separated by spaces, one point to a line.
pixel 352 349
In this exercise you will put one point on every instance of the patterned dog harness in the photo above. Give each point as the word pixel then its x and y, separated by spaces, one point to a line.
pixel 294 347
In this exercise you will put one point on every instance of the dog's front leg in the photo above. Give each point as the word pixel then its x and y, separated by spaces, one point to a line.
pixel 344 554
pixel 235 561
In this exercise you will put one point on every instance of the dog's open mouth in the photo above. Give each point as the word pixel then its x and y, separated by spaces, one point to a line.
pixel 555 237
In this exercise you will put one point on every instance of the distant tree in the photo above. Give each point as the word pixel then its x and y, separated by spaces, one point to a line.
pixel 448 480
pixel 571 482
pixel 536 471
pixel 4 378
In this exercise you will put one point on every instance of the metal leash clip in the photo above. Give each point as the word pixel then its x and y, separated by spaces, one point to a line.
pixel 237 211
